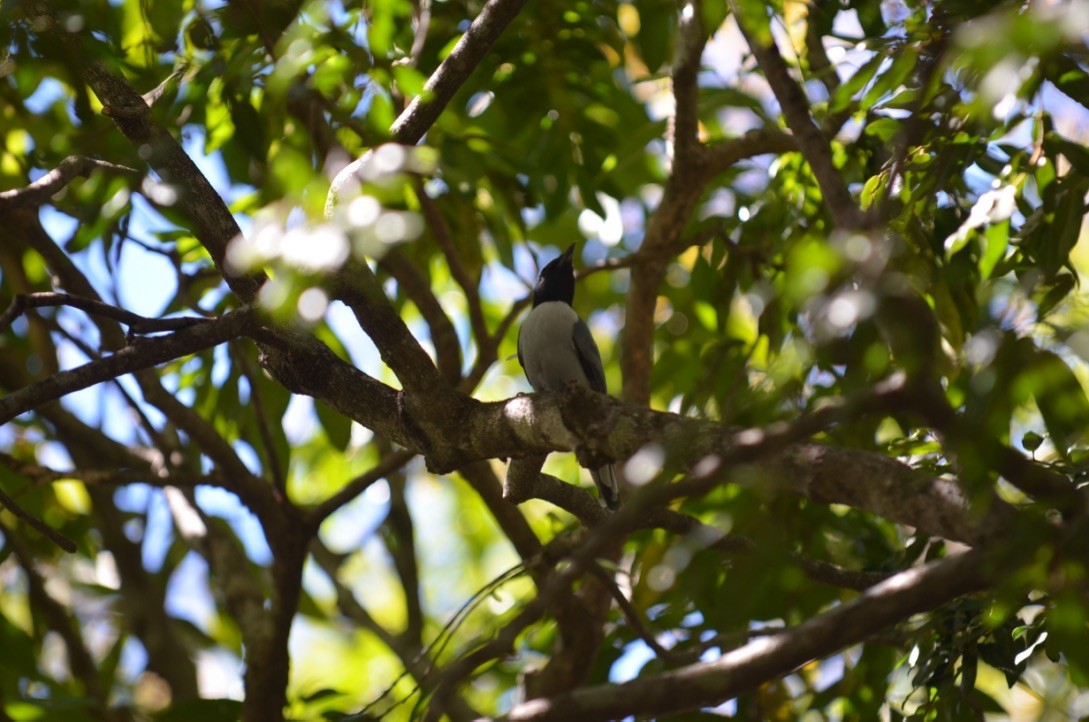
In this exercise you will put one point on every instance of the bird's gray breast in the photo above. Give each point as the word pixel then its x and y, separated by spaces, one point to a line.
pixel 546 346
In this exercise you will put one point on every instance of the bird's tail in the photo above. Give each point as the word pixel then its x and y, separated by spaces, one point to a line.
pixel 605 478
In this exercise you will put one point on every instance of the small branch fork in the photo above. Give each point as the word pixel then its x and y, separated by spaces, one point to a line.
pixel 137 324
pixel 143 354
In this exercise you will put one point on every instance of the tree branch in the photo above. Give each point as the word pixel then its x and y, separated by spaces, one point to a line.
pixel 602 428
pixel 424 110
pixel 41 190
pixel 740 460
pixel 474 45
pixel 444 336
pixel 458 271
pixel 684 123
pixel 686 181
pixel 356 286
pixel 144 353
pixel 137 324
pixel 665 238
pixel 795 106
pixel 711 683
pixel 722 155
pixel 386 466
pixel 34 522
pixel 107 477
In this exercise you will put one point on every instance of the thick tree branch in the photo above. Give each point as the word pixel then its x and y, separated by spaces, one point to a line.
pixel 304 365
pixel 360 291
pixel 665 238
pixel 686 181
pixel 601 427
pixel 737 459
pixel 684 124
pixel 767 658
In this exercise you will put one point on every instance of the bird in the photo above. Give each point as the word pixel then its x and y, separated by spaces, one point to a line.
pixel 555 347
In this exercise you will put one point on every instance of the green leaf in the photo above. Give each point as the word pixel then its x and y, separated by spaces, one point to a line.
pixel 851 87
pixel 1031 441
pixel 884 129
pixel 337 426
pixel 657 20
pixel 1077 154
pixel 902 65
pixel 1061 287
pixel 874 186
pixel 1060 397
pixel 996 239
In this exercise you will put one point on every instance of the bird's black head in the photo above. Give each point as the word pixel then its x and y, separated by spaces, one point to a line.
pixel 557 280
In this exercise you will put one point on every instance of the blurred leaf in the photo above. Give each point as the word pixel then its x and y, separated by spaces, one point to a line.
pixel 338 427
pixel 211 710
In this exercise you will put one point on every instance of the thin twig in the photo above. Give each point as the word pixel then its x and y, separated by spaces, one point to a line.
pixel 458 270
pixel 108 477
pixel 279 478
pixel 915 126
pixel 137 324
pixel 44 529
pixel 144 354
pixel 631 614
pixel 41 190
pixel 356 486
pixel 419 35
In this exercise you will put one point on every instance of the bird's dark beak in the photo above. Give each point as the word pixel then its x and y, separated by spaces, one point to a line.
pixel 569 254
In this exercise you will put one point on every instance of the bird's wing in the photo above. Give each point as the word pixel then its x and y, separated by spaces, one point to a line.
pixel 589 357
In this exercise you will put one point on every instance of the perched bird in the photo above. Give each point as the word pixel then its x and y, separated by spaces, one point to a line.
pixel 555 347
